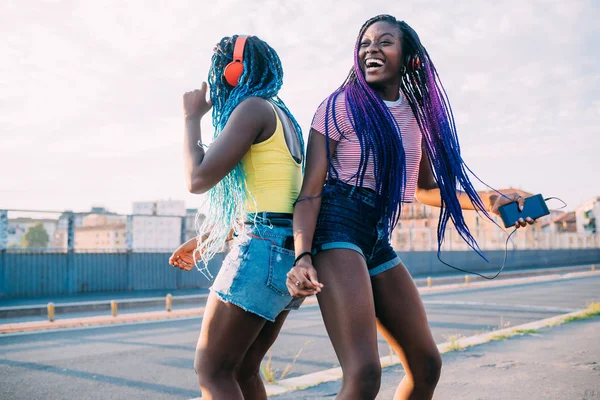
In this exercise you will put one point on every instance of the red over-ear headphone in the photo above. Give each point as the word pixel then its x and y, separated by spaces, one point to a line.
pixel 412 63
pixel 233 71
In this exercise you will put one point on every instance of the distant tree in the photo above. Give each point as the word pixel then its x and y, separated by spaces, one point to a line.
pixel 36 237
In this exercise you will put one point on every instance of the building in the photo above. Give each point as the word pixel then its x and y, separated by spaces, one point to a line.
pixel 587 216
pixel 60 238
pixel 84 222
pixel 18 227
pixel 190 222
pixel 101 237
pixel 546 221
pixel 101 231
pixel 149 233
pixel 157 225
pixel 564 223
pixel 417 229
pixel 160 207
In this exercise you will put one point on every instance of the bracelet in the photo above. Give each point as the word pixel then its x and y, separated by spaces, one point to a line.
pixel 306 253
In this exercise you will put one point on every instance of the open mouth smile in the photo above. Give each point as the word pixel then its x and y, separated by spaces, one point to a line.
pixel 373 64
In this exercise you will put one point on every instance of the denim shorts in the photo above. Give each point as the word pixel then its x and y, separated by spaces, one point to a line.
pixel 254 272
pixel 349 219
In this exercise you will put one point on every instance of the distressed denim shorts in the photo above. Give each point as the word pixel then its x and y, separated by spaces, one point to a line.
pixel 254 272
pixel 348 219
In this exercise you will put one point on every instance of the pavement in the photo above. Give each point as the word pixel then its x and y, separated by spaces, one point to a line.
pixel 559 362
pixel 153 359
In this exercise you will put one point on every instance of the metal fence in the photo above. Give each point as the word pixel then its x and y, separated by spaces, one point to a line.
pixel 69 270
pixel 26 273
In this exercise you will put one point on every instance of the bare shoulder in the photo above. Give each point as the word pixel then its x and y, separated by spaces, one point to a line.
pixel 254 107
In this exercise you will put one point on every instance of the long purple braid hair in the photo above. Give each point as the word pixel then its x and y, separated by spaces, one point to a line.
pixel 379 135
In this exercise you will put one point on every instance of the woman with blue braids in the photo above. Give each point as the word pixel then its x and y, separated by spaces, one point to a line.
pixel 252 172
pixel 386 136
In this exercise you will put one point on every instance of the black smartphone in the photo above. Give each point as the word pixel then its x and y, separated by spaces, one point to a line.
pixel 535 207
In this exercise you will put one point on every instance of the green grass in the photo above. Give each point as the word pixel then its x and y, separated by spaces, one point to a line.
pixel 454 344
pixel 288 368
pixel 514 332
pixel 593 310
pixel 525 331
pixel 270 374
pixel 502 336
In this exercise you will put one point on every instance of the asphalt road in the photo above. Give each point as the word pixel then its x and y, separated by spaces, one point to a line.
pixel 154 360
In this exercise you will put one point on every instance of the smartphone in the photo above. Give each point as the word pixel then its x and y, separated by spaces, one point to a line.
pixel 535 207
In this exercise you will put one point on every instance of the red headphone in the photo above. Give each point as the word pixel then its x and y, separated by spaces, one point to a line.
pixel 412 63
pixel 233 71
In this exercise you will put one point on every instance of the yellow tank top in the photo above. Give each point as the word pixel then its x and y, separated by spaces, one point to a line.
pixel 273 177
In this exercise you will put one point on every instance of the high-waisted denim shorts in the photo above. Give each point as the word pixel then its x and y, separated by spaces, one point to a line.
pixel 254 272
pixel 349 219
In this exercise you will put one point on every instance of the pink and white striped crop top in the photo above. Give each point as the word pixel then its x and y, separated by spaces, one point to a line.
pixel 347 154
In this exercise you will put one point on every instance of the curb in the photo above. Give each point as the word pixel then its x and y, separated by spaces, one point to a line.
pixel 198 312
pixel 99 320
pixel 97 305
pixel 334 374
pixel 107 320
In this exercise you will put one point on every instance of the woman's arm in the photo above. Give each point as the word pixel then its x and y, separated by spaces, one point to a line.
pixel 306 212
pixel 429 193
pixel 204 169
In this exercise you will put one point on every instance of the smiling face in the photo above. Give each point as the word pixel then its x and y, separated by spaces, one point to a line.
pixel 380 54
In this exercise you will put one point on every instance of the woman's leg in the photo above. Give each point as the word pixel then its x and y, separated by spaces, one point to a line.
pixel 248 373
pixel 226 335
pixel 348 310
pixel 403 322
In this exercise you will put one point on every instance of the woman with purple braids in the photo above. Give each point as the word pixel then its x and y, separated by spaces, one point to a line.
pixel 385 137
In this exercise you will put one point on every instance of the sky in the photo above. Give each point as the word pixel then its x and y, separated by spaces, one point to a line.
pixel 90 92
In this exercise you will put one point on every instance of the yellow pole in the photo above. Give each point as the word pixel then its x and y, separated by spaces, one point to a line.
pixel 169 302
pixel 467 279
pixel 429 283
pixel 113 308
pixel 51 312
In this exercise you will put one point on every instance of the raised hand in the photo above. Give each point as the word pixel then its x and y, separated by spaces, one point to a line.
pixel 195 103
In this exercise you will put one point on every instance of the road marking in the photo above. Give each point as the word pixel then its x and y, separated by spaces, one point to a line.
pixel 525 307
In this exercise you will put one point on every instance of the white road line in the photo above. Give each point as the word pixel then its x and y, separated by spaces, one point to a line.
pixel 525 307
